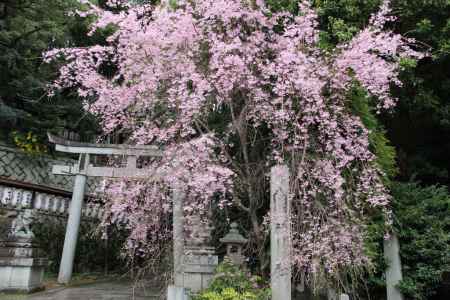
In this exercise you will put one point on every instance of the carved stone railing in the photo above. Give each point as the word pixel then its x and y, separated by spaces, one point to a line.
pixel 39 202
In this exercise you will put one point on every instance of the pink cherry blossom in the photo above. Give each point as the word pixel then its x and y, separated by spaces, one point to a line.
pixel 178 66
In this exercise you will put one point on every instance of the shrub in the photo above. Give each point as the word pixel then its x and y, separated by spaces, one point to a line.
pixel 423 223
pixel 231 283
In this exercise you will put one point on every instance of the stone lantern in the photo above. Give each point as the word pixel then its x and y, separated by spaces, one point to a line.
pixel 234 242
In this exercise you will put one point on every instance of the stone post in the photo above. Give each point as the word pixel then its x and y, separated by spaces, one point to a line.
pixel 73 225
pixel 394 269
pixel 177 291
pixel 280 233
pixel 178 235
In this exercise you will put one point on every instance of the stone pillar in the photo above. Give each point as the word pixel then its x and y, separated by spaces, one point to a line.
pixel 178 235
pixel 200 260
pixel 73 226
pixel 394 269
pixel 21 262
pixel 177 290
pixel 280 233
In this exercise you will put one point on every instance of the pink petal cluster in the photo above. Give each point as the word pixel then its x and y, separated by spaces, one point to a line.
pixel 148 203
pixel 177 66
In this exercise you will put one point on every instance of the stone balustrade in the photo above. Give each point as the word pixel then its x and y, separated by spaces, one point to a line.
pixel 49 204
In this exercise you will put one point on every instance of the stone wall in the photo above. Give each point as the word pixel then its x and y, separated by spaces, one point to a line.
pixel 27 182
pixel 20 166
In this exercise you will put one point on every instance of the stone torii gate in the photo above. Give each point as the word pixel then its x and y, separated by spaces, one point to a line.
pixel 83 169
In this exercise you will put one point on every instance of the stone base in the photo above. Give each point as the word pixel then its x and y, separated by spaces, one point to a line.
pixel 22 274
pixel 199 267
pixel 18 250
pixel 176 293
pixel 332 295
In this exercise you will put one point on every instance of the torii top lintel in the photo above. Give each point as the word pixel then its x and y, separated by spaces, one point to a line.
pixel 85 168
pixel 64 145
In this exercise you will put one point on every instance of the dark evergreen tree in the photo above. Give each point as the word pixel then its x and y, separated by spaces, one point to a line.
pixel 27 29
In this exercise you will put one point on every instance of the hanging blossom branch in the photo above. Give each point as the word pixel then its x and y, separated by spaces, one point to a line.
pixel 265 76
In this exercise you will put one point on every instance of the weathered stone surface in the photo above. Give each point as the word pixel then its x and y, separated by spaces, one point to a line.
pixel 21 274
pixel 96 291
pixel 394 269
pixel 19 166
pixel 332 295
pixel 19 249
pixel 344 297
pixel 6 219
pixel 234 242
pixel 178 234
pixel 199 265
pixel 200 260
pixel 280 245
pixel 42 203
pixel 73 226
pixel 21 264
pixel 176 293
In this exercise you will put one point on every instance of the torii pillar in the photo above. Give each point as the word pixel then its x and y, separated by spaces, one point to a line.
pixel 81 171
pixel 73 222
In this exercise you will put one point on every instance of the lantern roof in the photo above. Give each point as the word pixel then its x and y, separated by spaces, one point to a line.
pixel 233 236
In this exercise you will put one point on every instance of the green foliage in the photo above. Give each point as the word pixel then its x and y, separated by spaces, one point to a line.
pixel 340 20
pixel 28 143
pixel 427 20
pixel 27 29
pixel 228 294
pixel 423 216
pixel 283 5
pixel 423 223
pixel 420 127
pixel 340 30
pixel 173 4
pixel 231 283
pixel 379 144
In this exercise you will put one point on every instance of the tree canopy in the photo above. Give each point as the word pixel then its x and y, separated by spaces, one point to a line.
pixel 230 88
pixel 328 88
